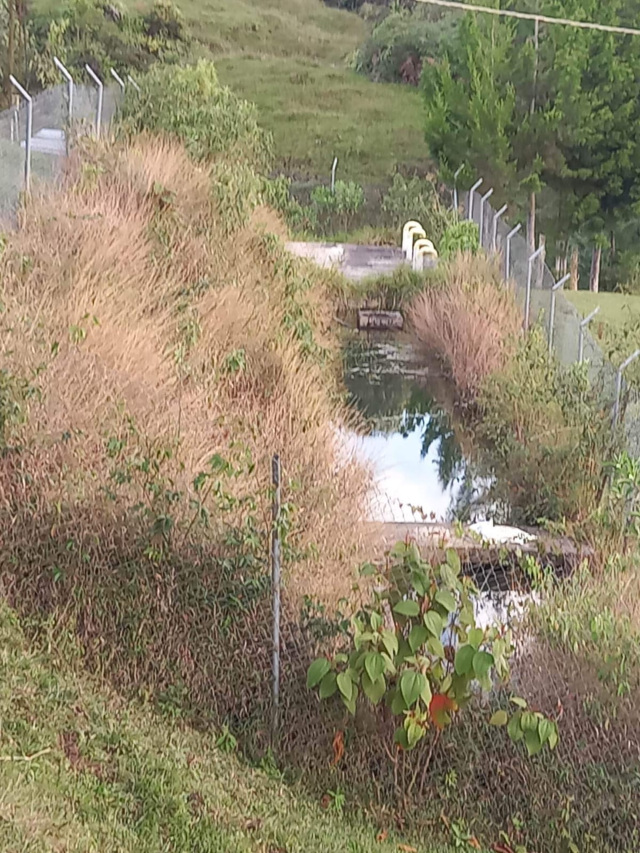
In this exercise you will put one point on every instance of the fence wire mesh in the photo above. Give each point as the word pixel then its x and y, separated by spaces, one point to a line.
pixel 561 321
pixel 51 130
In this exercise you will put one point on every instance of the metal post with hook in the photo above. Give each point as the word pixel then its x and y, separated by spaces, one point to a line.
pixel 483 200
pixel 552 312
pixel 494 232
pixel 455 188
pixel 70 87
pixel 118 80
pixel 333 174
pixel 28 131
pixel 471 192
pixel 100 87
pixel 583 325
pixel 527 304
pixel 507 250
pixel 621 370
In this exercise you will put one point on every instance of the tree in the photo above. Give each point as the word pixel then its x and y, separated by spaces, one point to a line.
pixel 581 145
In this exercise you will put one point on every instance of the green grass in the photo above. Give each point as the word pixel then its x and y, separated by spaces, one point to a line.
pixel 82 771
pixel 616 309
pixel 290 57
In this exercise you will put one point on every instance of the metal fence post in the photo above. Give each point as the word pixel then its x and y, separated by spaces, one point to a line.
pixel 118 80
pixel 29 129
pixel 455 188
pixel 527 304
pixel 483 199
pixel 100 87
pixel 333 174
pixel 471 192
pixel 494 230
pixel 507 251
pixel 621 370
pixel 552 313
pixel 70 93
pixel 583 325
pixel 275 582
pixel 133 82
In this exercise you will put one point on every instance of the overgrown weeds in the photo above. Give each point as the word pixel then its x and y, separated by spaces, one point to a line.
pixel 470 321
pixel 154 364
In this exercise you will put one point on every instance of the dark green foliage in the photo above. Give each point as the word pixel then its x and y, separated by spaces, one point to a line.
pixel 190 104
pixel 461 236
pixel 419 199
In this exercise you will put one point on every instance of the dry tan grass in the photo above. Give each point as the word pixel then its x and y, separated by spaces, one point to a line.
pixel 131 319
pixel 471 322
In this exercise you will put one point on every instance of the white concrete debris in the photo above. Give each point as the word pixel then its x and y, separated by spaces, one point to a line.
pixel 500 533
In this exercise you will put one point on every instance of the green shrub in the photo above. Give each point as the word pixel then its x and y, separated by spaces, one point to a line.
pixel 418 198
pixel 459 237
pixel 547 436
pixel 190 104
pixel 105 36
pixel 332 210
pixel 401 41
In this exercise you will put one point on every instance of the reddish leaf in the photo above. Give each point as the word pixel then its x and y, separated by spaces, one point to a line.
pixel 440 708
pixel 338 748
pixel 382 836
pixel 473 842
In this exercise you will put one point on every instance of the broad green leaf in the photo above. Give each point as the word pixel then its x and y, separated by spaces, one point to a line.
pixel 532 741
pixel 435 647
pixel 376 621
pixel 466 617
pixel 482 663
pixel 400 737
pixel 415 733
pixel 453 560
pixel 433 623
pixel 476 636
pixel 374 665
pixel 317 671
pixel 407 607
pixel 398 705
pixel 464 660
pixel 446 684
pixel 345 685
pixel 390 642
pixel 553 737
pixel 446 599
pixel 350 704
pixel 426 695
pixel 367 570
pixel 529 722
pixel 389 666
pixel 328 685
pixel 412 684
pixel 545 730
pixel 373 690
pixel 500 718
pixel 517 700
pixel 514 727
pixel 340 658
pixel 419 582
pixel 418 637
pixel 448 577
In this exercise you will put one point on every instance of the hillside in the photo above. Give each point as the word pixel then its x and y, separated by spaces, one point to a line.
pixel 82 771
pixel 290 57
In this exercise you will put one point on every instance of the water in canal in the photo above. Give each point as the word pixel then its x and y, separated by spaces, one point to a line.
pixel 421 472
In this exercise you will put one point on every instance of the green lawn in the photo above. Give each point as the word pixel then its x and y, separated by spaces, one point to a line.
pixel 616 309
pixel 81 772
pixel 290 57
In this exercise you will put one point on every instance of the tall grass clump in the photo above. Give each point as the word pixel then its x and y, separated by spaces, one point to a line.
pixel 152 365
pixel 469 320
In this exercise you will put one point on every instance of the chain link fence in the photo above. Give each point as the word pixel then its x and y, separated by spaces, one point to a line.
pixel 543 302
pixel 51 133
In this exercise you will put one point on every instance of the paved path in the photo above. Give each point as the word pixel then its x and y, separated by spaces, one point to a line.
pixel 355 262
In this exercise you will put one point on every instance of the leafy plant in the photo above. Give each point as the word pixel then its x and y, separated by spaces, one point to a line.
pixel 418 198
pixel 345 200
pixel 417 649
pixel 459 237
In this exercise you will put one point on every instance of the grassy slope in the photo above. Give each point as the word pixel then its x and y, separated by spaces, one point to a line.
pixel 117 779
pixel 616 309
pixel 289 57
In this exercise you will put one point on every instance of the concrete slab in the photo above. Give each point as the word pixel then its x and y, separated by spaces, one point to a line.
pixel 49 141
pixel 355 262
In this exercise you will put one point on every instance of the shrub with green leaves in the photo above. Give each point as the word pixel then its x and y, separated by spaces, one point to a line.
pixel 418 198
pixel 462 236
pixel 190 104
pixel 417 648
